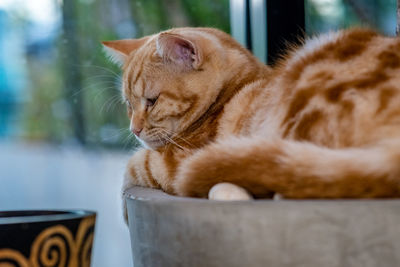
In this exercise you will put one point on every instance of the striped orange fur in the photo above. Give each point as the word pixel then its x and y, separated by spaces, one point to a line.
pixel 323 123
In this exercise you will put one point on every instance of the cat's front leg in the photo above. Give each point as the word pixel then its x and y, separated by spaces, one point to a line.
pixel 138 172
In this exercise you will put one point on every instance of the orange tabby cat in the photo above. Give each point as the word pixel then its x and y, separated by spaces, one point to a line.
pixel 324 123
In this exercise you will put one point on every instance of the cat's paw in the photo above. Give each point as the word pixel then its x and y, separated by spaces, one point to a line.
pixel 228 191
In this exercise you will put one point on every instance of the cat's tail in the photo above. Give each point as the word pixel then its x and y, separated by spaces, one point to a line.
pixel 293 169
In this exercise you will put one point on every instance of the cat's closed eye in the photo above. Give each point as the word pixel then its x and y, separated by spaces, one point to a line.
pixel 151 101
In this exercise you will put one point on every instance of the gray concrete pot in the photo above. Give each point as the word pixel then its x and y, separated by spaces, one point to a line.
pixel 173 231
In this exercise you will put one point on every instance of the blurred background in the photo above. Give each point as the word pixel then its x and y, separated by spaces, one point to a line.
pixel 64 137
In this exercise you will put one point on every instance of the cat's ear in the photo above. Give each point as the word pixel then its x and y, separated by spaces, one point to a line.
pixel 119 50
pixel 179 50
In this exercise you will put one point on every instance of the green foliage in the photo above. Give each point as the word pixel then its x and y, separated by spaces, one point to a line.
pixel 208 13
pixel 325 15
pixel 152 16
pixel 45 114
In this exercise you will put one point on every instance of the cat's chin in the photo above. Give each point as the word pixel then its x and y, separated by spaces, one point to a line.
pixel 149 144
pixel 154 144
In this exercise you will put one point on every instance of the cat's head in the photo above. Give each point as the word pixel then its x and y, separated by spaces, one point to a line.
pixel 172 78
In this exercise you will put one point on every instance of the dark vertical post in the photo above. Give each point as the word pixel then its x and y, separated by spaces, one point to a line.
pixel 240 22
pixel 398 19
pixel 248 26
pixel 72 76
pixel 285 23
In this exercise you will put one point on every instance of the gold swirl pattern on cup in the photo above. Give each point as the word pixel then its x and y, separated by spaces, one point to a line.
pixel 8 255
pixel 84 241
pixel 51 248
pixel 55 247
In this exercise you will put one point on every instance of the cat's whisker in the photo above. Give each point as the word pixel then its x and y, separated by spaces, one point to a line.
pixel 115 86
pixel 101 91
pixel 173 142
pixel 128 139
pixel 152 131
pixel 110 102
pixel 102 76
pixel 110 87
pixel 123 129
pixel 89 86
pixel 118 132
pixel 101 68
pixel 159 138
pixel 175 135
pixel 107 101
pixel 184 140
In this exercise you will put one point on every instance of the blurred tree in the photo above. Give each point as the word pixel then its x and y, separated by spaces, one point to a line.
pixel 72 75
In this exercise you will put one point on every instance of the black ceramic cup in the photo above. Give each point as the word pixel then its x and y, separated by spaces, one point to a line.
pixel 46 238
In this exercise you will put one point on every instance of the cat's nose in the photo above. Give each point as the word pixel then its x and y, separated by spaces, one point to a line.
pixel 137 131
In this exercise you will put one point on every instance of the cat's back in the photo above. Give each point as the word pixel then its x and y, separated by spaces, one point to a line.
pixel 340 89
pixel 346 56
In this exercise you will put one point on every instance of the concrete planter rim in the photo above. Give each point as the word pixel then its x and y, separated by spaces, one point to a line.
pixel 154 195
